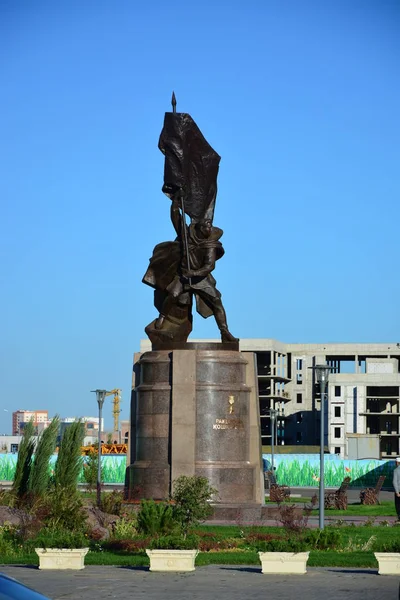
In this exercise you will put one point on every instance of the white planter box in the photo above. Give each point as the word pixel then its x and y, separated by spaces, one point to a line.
pixel 60 558
pixel 172 560
pixel 388 563
pixel 283 563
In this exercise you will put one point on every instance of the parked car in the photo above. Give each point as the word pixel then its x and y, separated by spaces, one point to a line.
pixel 10 589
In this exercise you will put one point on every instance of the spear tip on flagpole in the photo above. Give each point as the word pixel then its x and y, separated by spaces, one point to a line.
pixel 173 102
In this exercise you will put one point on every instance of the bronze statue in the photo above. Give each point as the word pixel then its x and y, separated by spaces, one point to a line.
pixel 181 270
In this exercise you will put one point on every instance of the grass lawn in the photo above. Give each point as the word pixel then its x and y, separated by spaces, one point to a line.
pixel 358 534
pixel 342 559
pixel 384 509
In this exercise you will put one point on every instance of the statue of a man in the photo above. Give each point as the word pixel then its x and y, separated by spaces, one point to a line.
pixel 181 270
pixel 204 249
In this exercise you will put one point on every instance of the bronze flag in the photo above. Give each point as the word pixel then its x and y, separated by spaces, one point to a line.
pixel 191 165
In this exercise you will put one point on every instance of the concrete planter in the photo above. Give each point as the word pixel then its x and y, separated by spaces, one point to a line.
pixel 388 563
pixel 60 558
pixel 172 560
pixel 284 563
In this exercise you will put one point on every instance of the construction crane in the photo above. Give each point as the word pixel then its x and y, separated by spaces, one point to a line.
pixel 105 449
pixel 116 406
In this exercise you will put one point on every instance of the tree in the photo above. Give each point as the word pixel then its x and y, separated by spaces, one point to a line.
pixel 192 496
pixel 40 476
pixel 90 467
pixel 69 461
pixel 24 462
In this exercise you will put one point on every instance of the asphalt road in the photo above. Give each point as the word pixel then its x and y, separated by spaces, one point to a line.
pixel 207 583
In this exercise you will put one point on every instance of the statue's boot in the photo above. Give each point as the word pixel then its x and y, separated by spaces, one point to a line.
pixel 226 336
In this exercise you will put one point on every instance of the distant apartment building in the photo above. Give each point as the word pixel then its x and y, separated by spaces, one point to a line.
pixel 365 405
pixel 91 424
pixel 9 443
pixel 362 404
pixel 40 419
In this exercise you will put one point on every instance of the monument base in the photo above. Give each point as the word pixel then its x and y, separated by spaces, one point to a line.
pixel 195 412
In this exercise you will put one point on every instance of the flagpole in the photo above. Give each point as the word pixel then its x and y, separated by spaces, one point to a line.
pixel 184 228
pixel 185 237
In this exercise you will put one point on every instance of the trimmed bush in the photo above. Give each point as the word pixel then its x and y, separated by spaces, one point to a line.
pixel 175 542
pixel 52 537
pixel 155 519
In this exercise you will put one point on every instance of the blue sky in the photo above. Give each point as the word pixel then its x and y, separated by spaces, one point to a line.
pixel 301 99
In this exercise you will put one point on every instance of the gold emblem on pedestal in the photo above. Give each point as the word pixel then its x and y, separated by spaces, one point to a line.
pixel 229 422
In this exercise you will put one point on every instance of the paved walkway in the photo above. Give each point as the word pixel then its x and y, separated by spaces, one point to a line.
pixel 207 583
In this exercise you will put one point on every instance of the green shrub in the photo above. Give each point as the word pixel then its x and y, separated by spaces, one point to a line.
pixel 7 498
pixel 6 547
pixel 314 539
pixel 175 542
pixel 125 528
pixel 111 502
pixel 63 509
pixel 192 496
pixel 324 539
pixel 90 468
pixel 155 519
pixel 54 537
pixel 10 541
pixel 291 544
pixel 389 546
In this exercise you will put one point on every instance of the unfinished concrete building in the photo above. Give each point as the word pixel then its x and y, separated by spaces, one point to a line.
pixel 363 403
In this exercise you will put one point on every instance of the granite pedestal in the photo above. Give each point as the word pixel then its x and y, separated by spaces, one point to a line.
pixel 195 412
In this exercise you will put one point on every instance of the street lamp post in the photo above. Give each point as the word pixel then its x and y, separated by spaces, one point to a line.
pixel 273 412
pixel 272 418
pixel 321 377
pixel 100 396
